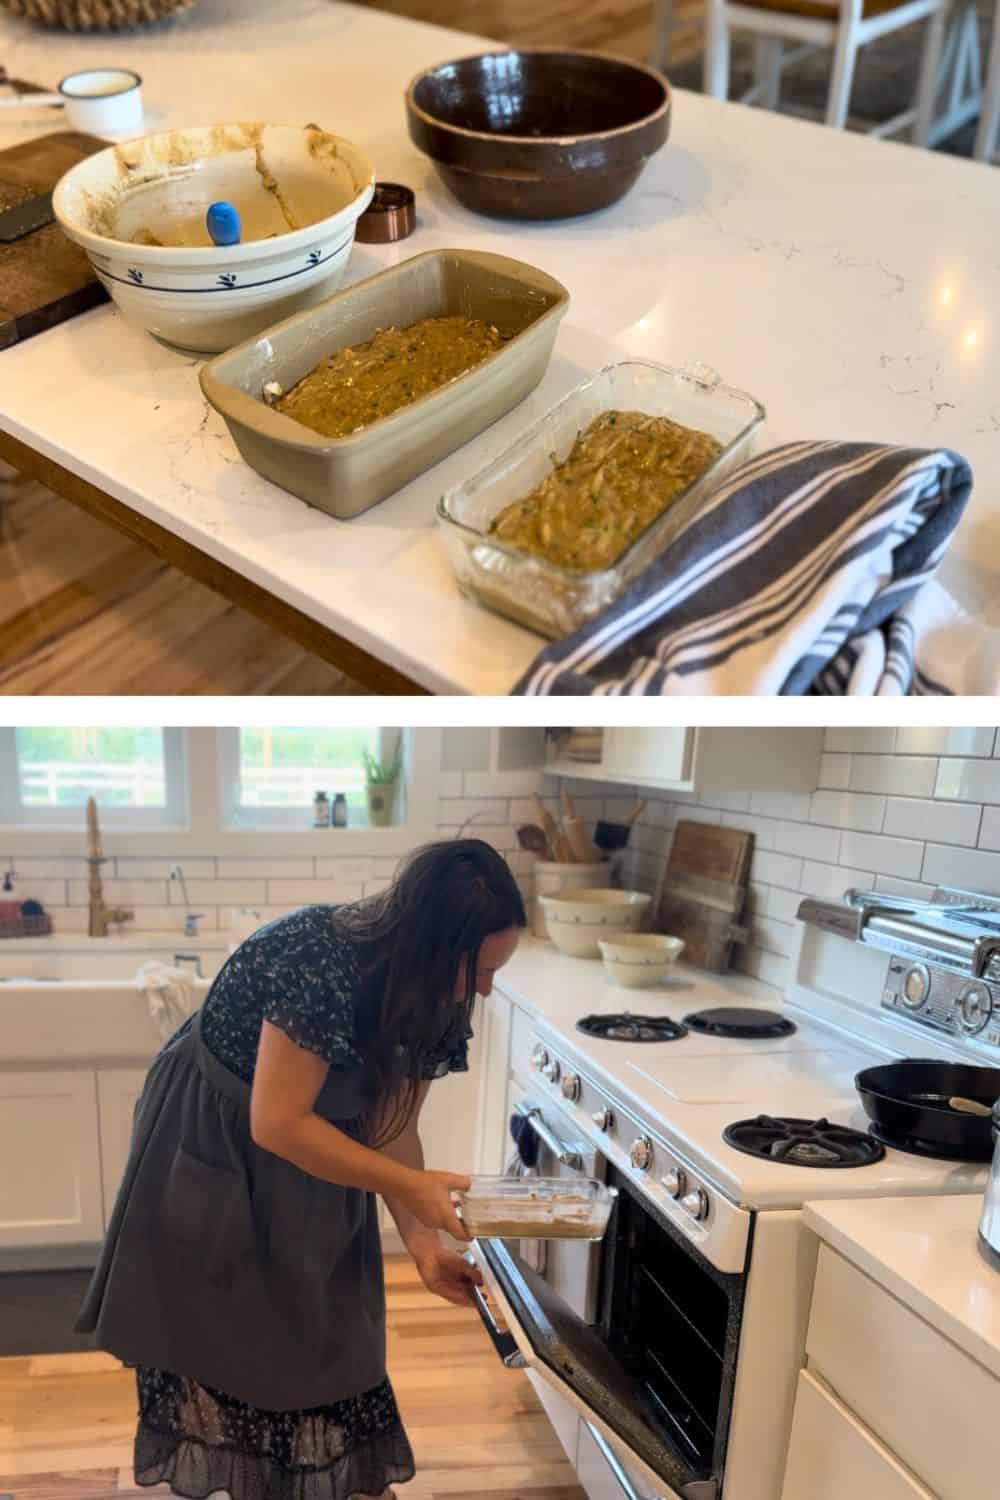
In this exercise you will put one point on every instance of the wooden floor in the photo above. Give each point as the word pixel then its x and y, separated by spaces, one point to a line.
pixel 83 611
pixel 623 26
pixel 477 1430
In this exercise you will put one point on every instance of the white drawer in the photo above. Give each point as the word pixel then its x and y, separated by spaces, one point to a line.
pixel 928 1401
pixel 833 1457
pixel 599 1479
pixel 522 1039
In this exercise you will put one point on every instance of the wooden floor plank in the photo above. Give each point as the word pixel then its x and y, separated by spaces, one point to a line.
pixel 85 610
pixel 67 1421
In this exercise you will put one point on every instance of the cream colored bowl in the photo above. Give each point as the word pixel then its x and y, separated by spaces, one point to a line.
pixel 636 960
pixel 577 922
pixel 138 210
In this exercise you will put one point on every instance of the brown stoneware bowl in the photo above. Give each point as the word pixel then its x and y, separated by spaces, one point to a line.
pixel 540 134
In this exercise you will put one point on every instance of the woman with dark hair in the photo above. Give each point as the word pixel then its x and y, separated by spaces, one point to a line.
pixel 242 1272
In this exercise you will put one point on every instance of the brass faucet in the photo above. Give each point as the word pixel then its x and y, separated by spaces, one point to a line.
pixel 101 917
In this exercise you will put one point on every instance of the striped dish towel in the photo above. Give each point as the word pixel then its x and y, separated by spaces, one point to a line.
pixel 808 572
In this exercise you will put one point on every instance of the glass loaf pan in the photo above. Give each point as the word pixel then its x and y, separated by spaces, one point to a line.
pixel 542 595
pixel 536 1208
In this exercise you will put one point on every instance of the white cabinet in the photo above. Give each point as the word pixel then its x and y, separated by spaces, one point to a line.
pixel 700 761
pixel 656 756
pixel 50 1160
pixel 491 1117
pixel 832 1456
pixel 881 1388
pixel 447 1120
pixel 915 1370
pixel 118 1091
pixel 561 1414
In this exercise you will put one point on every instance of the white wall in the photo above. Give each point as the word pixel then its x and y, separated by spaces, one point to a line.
pixel 322 867
pixel 897 810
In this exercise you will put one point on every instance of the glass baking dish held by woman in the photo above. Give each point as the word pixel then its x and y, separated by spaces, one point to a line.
pixel 549 596
pixel 540 1208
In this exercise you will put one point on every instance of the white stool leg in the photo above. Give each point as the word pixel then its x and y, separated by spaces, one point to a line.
pixel 845 53
pixel 988 131
pixel 663 21
pixel 930 74
pixel 768 52
pixel 716 64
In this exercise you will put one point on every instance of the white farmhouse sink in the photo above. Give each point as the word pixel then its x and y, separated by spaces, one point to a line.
pixel 75 1000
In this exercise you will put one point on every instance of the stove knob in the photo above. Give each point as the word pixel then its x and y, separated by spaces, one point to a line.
pixel 539 1057
pixel 641 1153
pixel 551 1071
pixel 675 1182
pixel 603 1118
pixel 975 1006
pixel 696 1203
pixel 916 985
pixel 571 1087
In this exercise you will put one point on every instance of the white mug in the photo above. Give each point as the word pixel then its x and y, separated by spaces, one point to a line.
pixel 103 101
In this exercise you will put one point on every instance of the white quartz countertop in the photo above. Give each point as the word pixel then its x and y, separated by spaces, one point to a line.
pixel 851 285
pixel 925 1252
pixel 559 989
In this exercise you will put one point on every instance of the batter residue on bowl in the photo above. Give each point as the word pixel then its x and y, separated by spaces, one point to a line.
pixel 622 472
pixel 354 387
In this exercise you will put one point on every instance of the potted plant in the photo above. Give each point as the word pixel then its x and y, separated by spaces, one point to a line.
pixel 381 778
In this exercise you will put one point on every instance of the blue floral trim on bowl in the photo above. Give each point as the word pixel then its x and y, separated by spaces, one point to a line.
pixel 227 281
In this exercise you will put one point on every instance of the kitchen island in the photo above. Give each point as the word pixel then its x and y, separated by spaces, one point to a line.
pixel 851 285
pixel 903 1351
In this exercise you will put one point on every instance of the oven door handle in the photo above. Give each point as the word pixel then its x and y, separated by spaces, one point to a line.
pixel 564 1155
pixel 502 1339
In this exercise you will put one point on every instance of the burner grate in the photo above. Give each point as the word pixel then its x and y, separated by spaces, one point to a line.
pixel 742 1022
pixel 803 1143
pixel 628 1028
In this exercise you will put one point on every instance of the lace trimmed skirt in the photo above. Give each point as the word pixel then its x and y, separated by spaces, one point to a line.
pixel 200 1440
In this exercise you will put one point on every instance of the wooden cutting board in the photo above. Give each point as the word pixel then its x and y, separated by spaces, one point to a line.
pixel 44 278
pixel 704 891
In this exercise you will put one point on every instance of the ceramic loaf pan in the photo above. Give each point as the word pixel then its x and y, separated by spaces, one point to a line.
pixel 345 476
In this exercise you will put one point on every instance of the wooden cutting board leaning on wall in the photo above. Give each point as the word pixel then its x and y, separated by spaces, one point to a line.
pixel 44 277
pixel 704 891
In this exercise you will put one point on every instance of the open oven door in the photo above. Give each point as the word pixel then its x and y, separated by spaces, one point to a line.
pixel 531 1328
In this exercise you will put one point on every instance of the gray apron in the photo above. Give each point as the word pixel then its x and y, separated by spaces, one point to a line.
pixel 229 1265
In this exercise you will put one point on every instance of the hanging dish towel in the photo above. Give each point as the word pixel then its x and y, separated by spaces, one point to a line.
pixel 170 995
pixel 808 572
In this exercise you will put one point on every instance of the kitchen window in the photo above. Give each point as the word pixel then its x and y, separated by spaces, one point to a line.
pixel 270 776
pixel 137 775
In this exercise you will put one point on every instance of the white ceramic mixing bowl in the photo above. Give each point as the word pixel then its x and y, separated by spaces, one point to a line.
pixel 637 960
pixel 138 210
pixel 578 919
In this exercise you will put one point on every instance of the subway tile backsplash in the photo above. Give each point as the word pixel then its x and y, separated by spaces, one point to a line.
pixel 222 888
pixel 897 810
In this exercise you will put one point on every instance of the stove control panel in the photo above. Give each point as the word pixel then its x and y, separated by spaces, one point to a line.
pixel 636 1148
pixel 936 998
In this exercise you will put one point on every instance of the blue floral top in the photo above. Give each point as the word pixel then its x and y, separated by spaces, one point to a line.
pixel 297 973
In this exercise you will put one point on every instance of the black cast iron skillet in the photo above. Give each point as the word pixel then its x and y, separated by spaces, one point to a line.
pixel 906 1101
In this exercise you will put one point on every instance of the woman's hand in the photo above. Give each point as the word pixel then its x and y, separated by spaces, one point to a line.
pixel 427 1195
pixel 447 1274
